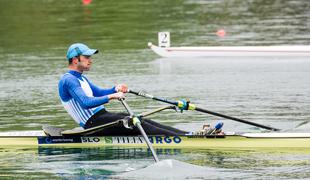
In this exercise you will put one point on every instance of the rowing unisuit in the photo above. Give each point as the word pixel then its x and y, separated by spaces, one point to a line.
pixel 75 91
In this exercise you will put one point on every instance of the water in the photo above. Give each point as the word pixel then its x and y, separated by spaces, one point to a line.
pixel 273 91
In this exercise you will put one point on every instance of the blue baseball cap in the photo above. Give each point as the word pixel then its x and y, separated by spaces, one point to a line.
pixel 78 49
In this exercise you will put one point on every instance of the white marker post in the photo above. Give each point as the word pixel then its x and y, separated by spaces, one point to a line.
pixel 164 39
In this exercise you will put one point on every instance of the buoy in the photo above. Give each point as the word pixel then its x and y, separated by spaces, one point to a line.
pixel 86 2
pixel 220 33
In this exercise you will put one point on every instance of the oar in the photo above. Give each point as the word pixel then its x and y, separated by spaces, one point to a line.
pixel 183 105
pixel 137 123
pixel 156 111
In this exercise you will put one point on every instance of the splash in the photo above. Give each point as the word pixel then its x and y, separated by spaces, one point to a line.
pixel 169 169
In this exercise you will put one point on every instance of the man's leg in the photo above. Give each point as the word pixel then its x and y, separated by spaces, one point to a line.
pixel 150 127
pixel 169 128
pixel 153 128
pixel 104 117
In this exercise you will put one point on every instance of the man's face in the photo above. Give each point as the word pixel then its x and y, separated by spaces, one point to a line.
pixel 84 63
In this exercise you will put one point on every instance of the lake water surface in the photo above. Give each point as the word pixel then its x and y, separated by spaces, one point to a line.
pixel 274 91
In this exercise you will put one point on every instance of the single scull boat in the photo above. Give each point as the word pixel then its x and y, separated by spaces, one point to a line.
pixel 79 137
pixel 240 141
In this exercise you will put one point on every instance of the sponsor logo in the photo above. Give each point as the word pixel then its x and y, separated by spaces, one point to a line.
pixel 48 140
pixel 90 139
pixel 127 140
pixel 57 140
pixel 140 140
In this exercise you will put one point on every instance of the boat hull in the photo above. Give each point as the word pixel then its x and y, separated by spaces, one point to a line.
pixel 232 51
pixel 232 141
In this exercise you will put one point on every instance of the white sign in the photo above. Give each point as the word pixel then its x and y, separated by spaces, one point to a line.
pixel 164 39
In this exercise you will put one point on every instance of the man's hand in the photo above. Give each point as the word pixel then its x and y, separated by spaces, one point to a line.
pixel 118 95
pixel 121 88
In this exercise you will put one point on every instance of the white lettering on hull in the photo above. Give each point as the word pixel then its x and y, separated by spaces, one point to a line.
pixel 140 140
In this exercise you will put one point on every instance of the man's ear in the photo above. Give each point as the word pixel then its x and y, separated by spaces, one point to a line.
pixel 75 60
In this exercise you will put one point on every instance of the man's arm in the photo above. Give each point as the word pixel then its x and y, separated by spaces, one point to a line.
pixel 75 90
pixel 98 91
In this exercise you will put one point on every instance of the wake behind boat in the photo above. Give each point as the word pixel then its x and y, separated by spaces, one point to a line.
pixel 164 50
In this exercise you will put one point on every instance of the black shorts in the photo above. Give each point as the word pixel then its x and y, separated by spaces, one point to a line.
pixel 150 127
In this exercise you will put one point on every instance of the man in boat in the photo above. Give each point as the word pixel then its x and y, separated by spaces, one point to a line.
pixel 84 101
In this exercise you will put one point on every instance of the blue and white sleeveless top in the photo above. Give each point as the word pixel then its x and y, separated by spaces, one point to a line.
pixel 80 97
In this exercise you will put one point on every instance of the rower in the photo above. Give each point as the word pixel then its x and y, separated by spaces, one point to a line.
pixel 84 101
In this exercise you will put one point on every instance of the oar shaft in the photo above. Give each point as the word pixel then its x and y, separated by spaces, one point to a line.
pixel 137 123
pixel 156 111
pixel 235 119
pixel 130 112
pixel 148 143
pixel 152 97
pixel 193 107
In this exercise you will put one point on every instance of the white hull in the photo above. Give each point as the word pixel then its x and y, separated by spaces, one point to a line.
pixel 232 51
